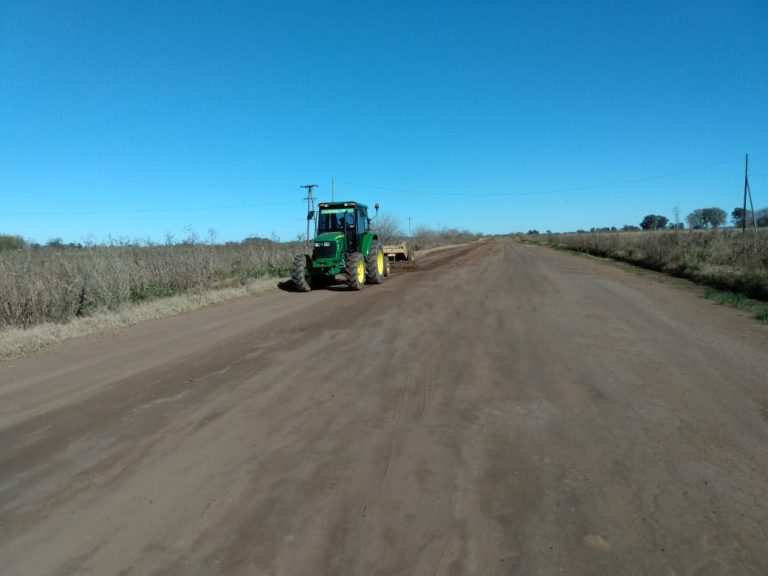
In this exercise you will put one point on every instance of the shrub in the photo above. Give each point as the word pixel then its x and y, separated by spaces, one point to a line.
pixel 9 242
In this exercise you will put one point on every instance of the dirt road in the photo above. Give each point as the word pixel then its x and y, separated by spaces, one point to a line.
pixel 506 409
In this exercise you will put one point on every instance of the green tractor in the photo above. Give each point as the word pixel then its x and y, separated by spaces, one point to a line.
pixel 346 249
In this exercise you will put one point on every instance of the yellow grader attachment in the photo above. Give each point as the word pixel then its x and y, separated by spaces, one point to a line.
pixel 399 252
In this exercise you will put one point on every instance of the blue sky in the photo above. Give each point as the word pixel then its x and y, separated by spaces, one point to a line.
pixel 141 119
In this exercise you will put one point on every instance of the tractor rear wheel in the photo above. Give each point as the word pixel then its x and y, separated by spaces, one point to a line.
pixel 375 265
pixel 355 271
pixel 300 273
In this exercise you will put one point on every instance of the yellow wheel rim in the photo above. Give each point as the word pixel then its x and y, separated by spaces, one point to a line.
pixel 360 271
pixel 380 262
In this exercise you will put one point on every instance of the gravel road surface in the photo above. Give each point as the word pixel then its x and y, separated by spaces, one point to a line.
pixel 496 409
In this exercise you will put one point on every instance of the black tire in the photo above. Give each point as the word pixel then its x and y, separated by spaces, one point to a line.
pixel 375 264
pixel 300 273
pixel 355 271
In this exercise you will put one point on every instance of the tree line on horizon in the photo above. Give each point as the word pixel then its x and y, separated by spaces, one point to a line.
pixel 16 242
pixel 707 218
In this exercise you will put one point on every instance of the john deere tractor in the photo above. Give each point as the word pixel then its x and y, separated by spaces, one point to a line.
pixel 346 249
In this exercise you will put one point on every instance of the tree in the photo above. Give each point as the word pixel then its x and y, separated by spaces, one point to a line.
pixel 706 218
pixel 11 242
pixel 654 222
pixel 715 217
pixel 696 219
pixel 388 229
pixel 740 217
pixel 630 228
pixel 762 217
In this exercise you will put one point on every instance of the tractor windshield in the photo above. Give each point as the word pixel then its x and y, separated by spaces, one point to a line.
pixel 332 219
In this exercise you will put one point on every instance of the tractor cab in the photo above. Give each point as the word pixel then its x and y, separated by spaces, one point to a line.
pixel 348 218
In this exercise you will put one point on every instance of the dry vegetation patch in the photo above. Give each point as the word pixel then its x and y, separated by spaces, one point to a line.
pixel 44 285
pixel 724 259
pixel 50 294
pixel 17 342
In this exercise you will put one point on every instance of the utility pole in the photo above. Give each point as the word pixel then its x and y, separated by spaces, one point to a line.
pixel 409 226
pixel 746 187
pixel 747 194
pixel 333 190
pixel 310 207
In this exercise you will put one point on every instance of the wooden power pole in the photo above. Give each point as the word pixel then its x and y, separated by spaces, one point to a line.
pixel 310 207
pixel 747 194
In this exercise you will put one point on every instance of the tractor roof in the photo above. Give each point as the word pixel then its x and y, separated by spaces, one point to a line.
pixel 342 204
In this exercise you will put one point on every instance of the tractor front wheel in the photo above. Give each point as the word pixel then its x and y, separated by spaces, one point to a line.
pixel 301 274
pixel 355 271
pixel 375 265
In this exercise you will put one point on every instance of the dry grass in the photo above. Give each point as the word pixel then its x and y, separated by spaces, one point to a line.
pixel 17 342
pixel 52 294
pixel 43 285
pixel 424 238
pixel 723 259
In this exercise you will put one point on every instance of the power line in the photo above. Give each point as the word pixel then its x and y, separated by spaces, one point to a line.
pixel 541 192
pixel 371 187
pixel 145 210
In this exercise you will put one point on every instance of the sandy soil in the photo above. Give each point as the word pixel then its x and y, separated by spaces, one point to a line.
pixel 496 409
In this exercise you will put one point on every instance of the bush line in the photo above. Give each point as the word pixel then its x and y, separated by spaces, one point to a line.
pixel 724 259
pixel 57 284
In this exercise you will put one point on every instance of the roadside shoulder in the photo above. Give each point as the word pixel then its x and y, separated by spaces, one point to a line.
pixel 19 342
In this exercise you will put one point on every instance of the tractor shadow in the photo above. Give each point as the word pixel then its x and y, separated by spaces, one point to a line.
pixel 335 288
pixel 289 286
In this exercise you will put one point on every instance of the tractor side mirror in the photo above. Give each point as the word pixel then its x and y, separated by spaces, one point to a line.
pixel 310 214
